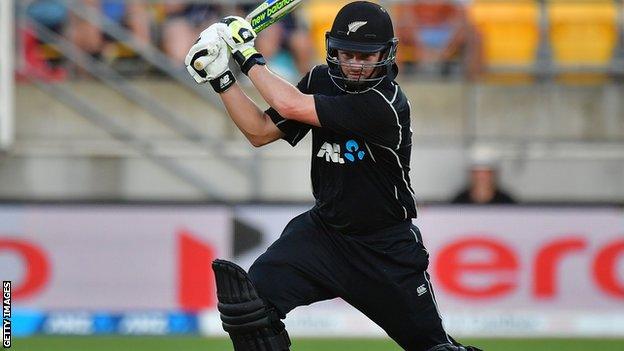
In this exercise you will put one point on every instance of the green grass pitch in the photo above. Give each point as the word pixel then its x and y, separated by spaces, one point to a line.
pixel 165 343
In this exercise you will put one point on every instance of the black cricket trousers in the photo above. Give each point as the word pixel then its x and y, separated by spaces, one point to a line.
pixel 382 274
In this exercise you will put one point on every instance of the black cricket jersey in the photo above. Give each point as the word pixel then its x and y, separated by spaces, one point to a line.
pixel 360 155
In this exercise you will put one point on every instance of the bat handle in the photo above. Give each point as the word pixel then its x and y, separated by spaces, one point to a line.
pixel 201 62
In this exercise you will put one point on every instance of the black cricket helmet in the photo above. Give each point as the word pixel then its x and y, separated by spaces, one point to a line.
pixel 364 27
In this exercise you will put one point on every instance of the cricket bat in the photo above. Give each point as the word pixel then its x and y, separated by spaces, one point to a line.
pixel 267 13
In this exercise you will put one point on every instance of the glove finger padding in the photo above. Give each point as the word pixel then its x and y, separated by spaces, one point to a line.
pixel 240 37
pixel 197 51
pixel 239 31
pixel 211 48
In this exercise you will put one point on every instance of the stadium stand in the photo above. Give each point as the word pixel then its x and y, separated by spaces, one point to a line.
pixel 583 37
pixel 510 35
pixel 436 37
pixel 166 111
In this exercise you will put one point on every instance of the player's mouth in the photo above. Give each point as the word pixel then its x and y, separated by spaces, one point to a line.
pixel 355 74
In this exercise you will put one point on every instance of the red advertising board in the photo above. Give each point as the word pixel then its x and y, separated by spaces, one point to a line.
pixel 499 271
pixel 113 257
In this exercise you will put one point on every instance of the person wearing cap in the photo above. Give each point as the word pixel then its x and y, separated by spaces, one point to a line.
pixel 482 187
pixel 358 241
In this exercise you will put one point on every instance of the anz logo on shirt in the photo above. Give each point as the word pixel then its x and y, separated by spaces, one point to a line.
pixel 332 152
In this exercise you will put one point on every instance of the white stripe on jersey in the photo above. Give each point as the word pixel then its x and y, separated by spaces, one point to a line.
pixel 415 236
pixel 396 92
pixel 396 195
pixel 436 306
pixel 296 136
pixel 310 76
pixel 370 152
pixel 395 114
pixel 402 173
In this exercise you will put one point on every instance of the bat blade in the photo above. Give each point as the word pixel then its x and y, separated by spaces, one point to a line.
pixel 269 12
pixel 260 18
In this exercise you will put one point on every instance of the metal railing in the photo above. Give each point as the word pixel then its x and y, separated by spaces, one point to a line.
pixel 247 168
pixel 122 134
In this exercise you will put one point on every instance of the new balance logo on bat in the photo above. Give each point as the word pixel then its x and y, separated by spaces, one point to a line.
pixel 331 153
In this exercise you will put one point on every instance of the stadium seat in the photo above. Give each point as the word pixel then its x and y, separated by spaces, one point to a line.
pixel 509 31
pixel 583 36
pixel 50 52
pixel 321 14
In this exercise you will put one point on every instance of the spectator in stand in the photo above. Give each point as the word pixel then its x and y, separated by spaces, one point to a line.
pixel 50 14
pixel 183 23
pixel 84 34
pixel 53 14
pixel 133 15
pixel 439 36
pixel 89 35
pixel 483 187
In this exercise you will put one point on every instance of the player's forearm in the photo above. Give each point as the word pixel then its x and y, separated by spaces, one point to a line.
pixel 247 116
pixel 278 93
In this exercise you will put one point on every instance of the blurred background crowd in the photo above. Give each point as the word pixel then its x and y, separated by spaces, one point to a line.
pixel 445 38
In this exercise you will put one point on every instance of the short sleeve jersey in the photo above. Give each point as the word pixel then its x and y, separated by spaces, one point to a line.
pixel 360 156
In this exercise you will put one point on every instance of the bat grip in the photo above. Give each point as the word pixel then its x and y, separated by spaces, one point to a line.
pixel 202 62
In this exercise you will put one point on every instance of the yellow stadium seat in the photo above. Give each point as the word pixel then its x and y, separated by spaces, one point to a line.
pixel 50 52
pixel 320 15
pixel 582 34
pixel 509 31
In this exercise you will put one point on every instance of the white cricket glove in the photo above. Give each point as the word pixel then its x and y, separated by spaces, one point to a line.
pixel 214 53
pixel 240 37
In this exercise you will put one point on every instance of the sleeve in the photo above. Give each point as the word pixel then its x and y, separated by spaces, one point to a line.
pixel 368 115
pixel 293 131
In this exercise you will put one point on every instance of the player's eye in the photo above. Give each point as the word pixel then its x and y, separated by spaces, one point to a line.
pixel 368 57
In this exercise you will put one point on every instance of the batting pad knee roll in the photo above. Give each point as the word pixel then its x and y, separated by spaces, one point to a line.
pixel 253 325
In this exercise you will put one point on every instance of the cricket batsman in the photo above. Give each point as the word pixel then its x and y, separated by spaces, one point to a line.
pixel 358 241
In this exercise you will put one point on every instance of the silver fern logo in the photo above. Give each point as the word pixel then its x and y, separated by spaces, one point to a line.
pixel 353 27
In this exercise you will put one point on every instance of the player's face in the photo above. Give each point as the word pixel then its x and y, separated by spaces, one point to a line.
pixel 358 65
